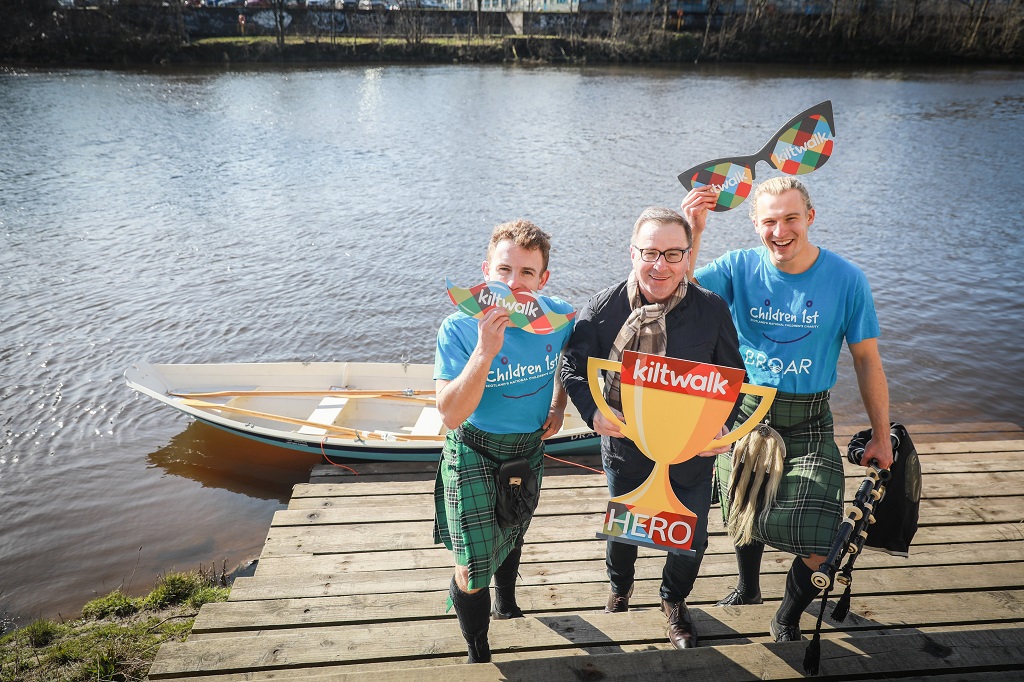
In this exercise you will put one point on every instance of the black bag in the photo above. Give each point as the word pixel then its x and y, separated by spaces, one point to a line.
pixel 516 487
pixel 518 492
pixel 896 514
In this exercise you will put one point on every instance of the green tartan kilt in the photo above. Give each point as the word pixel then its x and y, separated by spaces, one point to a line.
pixel 464 498
pixel 809 506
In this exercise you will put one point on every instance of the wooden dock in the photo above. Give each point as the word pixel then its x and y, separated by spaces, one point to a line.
pixel 349 586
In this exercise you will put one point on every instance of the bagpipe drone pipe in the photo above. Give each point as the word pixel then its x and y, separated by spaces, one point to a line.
pixel 883 515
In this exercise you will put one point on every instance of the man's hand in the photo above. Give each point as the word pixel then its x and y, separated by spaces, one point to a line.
pixel 695 207
pixel 878 449
pixel 492 332
pixel 605 427
pixel 696 204
pixel 720 449
pixel 553 424
pixel 458 398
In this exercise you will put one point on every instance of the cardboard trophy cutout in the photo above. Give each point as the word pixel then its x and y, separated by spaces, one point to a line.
pixel 526 309
pixel 673 409
pixel 803 145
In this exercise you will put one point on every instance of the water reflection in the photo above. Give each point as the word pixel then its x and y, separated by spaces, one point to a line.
pixel 218 459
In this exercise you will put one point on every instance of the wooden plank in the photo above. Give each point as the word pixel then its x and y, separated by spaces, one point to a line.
pixel 944 428
pixel 240 614
pixel 985 446
pixel 328 474
pixel 575 572
pixel 585 500
pixel 299 540
pixel 939 482
pixel 313 496
pixel 339 644
pixel 561 464
pixel 541 552
pixel 406 481
pixel 969 654
pixel 429 668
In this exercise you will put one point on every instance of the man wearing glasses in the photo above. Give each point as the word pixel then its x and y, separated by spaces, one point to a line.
pixel 794 303
pixel 656 311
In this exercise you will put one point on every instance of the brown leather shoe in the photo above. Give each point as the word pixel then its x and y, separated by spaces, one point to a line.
pixel 618 603
pixel 682 633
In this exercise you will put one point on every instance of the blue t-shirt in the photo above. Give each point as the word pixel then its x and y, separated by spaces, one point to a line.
pixel 521 381
pixel 791 327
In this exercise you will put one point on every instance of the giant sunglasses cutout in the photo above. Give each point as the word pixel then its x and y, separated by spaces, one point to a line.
pixel 802 145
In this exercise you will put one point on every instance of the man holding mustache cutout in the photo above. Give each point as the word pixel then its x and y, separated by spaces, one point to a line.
pixel 498 392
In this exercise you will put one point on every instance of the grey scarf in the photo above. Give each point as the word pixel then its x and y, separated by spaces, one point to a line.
pixel 643 331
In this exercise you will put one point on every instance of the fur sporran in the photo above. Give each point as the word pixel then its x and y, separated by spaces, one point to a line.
pixel 754 481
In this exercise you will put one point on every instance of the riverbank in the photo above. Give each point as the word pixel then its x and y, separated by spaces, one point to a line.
pixel 116 637
pixel 471 50
pixel 669 49
pixel 936 32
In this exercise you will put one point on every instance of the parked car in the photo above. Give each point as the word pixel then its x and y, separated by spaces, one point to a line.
pixel 257 3
pixel 346 4
pixel 372 4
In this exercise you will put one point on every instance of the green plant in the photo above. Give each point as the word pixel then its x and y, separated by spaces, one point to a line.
pixel 207 594
pixel 105 665
pixel 41 632
pixel 63 653
pixel 117 604
pixel 192 588
pixel 117 637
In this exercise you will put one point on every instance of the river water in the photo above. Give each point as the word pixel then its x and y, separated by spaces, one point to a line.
pixel 229 215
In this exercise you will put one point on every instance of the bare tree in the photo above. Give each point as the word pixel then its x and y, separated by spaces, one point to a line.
pixel 277 6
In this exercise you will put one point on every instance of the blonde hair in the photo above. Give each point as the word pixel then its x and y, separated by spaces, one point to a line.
pixel 776 186
pixel 523 234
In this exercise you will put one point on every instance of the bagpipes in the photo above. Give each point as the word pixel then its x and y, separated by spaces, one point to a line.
pixel 874 519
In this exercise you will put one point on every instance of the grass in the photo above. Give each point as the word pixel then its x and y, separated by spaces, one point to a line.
pixel 116 638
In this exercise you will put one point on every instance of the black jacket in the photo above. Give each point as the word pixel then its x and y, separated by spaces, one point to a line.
pixel 700 328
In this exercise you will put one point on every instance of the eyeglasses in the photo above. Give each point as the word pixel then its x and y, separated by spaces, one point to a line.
pixel 801 146
pixel 652 255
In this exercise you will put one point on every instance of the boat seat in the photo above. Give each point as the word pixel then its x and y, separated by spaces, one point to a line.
pixel 325 413
pixel 429 423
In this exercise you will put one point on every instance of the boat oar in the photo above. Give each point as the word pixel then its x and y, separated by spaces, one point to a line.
pixel 340 393
pixel 202 404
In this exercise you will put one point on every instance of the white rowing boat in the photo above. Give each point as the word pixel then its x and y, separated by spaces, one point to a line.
pixel 346 410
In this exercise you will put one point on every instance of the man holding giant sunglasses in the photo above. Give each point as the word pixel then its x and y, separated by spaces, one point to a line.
pixel 793 304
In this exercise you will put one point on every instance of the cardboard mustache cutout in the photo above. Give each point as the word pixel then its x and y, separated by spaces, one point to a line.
pixel 527 310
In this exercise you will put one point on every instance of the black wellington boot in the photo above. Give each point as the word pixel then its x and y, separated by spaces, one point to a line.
pixel 474 613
